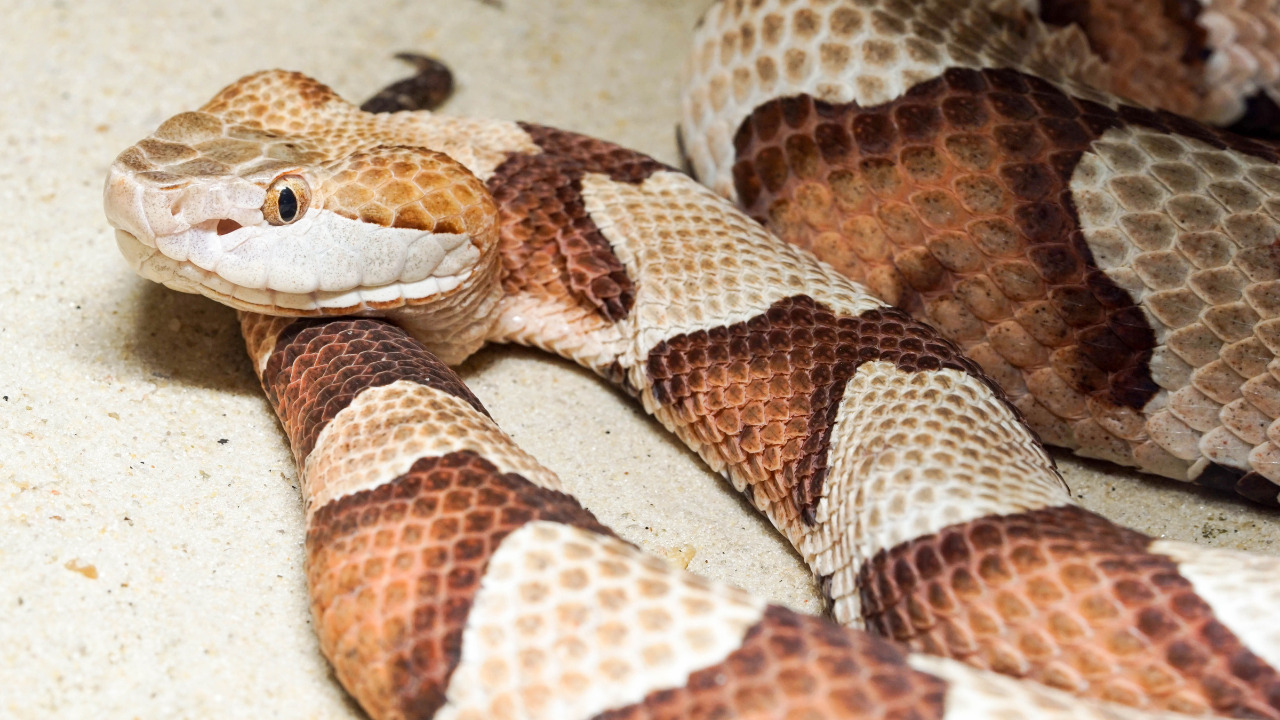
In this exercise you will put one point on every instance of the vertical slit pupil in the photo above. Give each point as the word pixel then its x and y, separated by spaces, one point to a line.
pixel 287 204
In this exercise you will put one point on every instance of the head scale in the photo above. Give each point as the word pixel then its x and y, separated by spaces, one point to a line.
pixel 280 197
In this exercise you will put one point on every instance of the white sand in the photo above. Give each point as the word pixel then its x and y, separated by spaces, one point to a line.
pixel 150 530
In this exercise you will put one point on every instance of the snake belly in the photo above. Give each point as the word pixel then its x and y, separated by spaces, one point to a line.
pixel 452 577
pixel 1114 269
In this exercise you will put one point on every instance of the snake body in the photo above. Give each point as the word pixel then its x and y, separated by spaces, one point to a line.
pixel 450 574
pixel 1114 269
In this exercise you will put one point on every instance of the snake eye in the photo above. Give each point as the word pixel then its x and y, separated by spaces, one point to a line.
pixel 287 200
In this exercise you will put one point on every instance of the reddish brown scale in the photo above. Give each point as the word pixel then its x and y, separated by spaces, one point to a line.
pixel 404 187
pixel 1067 598
pixel 797 666
pixel 959 189
pixel 765 392
pixel 319 366
pixel 1155 48
pixel 953 203
pixel 1169 27
pixel 394 571
pixel 1156 52
pixel 550 246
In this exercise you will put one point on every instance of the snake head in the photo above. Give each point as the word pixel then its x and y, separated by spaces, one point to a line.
pixel 279 197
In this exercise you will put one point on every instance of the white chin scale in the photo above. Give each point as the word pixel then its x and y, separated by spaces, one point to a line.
pixel 322 262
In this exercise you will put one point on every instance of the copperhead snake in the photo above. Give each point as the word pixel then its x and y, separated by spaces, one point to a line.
pixel 1055 234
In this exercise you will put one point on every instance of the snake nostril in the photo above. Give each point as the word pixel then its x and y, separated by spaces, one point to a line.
pixel 226 226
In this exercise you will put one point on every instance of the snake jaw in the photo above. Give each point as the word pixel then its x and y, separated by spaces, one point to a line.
pixel 208 235
pixel 186 276
pixel 322 264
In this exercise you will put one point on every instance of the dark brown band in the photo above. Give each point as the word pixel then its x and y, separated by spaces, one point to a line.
pixel 394 571
pixel 767 390
pixel 319 366
pixel 797 666
pixel 1065 597
pixel 551 247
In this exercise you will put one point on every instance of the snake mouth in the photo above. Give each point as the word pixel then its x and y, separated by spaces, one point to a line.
pixel 186 276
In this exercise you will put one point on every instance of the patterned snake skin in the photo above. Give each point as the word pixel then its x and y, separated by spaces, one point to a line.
pixel 452 577
pixel 1217 61
pixel 1115 270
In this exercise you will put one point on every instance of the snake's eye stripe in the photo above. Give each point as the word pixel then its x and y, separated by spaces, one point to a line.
pixel 287 200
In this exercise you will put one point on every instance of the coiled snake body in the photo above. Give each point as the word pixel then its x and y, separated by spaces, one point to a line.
pixel 1048 229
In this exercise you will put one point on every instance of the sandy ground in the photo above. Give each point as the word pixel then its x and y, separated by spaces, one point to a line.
pixel 150 526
